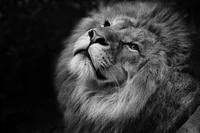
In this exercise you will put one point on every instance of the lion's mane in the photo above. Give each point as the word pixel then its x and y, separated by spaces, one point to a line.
pixel 158 98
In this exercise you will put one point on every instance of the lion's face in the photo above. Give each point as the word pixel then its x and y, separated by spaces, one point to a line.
pixel 112 52
pixel 109 57
pixel 116 59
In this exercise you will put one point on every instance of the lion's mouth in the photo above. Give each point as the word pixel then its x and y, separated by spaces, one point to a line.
pixel 98 73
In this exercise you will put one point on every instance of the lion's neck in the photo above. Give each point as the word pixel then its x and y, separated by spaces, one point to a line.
pixel 101 104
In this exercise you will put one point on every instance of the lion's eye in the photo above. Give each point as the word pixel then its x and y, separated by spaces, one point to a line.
pixel 106 24
pixel 133 46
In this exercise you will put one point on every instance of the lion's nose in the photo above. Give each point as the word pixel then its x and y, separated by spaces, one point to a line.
pixel 96 38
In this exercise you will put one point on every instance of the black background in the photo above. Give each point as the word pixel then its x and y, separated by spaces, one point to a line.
pixel 31 35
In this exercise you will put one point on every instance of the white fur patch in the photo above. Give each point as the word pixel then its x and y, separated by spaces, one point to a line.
pixel 81 66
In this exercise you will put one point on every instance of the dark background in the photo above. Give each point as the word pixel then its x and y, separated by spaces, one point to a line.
pixel 31 35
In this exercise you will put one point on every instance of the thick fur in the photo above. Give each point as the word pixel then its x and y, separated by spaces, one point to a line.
pixel 151 91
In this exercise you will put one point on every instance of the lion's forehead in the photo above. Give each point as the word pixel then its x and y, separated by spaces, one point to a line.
pixel 122 20
pixel 127 28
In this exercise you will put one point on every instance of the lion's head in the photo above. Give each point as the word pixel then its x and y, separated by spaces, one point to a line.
pixel 116 59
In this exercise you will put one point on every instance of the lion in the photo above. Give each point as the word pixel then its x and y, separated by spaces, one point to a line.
pixel 125 69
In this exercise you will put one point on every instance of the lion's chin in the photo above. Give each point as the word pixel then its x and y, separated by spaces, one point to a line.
pixel 99 75
pixel 105 86
pixel 110 78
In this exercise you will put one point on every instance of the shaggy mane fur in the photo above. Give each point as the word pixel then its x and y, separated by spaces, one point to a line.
pixel 156 96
